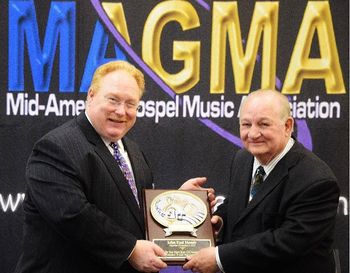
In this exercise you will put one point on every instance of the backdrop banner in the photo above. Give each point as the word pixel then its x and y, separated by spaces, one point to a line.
pixel 200 59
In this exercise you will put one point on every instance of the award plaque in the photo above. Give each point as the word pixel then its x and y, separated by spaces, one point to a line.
pixel 178 221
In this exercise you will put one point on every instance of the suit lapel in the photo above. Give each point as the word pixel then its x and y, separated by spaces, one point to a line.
pixel 241 186
pixel 112 166
pixel 136 167
pixel 274 178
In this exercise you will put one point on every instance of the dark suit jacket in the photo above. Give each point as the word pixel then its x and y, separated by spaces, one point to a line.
pixel 80 214
pixel 288 226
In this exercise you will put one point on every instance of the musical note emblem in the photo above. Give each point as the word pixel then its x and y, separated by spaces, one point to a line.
pixel 179 212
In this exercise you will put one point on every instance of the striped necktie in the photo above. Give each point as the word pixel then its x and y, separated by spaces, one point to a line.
pixel 257 181
pixel 125 169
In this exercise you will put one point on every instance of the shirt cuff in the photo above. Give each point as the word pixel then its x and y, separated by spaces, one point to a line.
pixel 132 251
pixel 217 257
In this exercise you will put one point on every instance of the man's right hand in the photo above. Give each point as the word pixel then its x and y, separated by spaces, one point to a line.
pixel 145 257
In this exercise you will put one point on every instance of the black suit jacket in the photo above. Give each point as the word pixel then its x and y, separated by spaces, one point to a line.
pixel 80 214
pixel 288 226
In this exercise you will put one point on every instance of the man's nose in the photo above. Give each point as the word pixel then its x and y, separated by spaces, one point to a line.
pixel 120 108
pixel 254 132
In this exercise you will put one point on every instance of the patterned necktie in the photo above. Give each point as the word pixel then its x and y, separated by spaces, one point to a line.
pixel 125 169
pixel 257 181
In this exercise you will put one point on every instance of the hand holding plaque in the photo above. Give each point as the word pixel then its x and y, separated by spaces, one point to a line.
pixel 179 222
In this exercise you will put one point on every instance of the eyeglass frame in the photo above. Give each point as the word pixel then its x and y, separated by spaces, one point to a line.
pixel 117 102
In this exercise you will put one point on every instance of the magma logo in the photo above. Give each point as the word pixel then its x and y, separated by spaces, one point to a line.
pixel 60 36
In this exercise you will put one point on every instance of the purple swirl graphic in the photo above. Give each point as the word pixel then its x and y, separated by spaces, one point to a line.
pixel 203 4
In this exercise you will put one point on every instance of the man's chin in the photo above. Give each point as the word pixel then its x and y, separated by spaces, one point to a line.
pixel 116 134
pixel 257 151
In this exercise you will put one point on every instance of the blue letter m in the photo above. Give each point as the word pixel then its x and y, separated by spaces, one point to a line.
pixel 23 26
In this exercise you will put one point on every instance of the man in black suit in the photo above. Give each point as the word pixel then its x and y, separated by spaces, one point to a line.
pixel 83 211
pixel 282 219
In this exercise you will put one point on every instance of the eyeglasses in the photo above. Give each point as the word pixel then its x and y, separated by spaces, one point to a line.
pixel 117 102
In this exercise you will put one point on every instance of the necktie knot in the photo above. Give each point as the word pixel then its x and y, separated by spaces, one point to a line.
pixel 259 175
pixel 257 181
pixel 113 145
pixel 116 151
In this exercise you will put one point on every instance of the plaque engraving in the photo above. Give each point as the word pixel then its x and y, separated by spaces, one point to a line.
pixel 178 211
pixel 178 221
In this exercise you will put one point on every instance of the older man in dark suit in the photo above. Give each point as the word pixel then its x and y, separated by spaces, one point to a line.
pixel 280 213
pixel 83 209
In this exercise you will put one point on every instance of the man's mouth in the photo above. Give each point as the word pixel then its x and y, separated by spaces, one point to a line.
pixel 117 121
pixel 256 142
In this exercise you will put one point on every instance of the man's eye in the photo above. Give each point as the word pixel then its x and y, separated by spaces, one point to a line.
pixel 112 100
pixel 131 104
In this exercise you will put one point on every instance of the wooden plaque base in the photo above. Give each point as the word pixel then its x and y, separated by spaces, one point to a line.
pixel 178 245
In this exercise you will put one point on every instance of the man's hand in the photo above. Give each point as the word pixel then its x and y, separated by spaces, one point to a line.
pixel 217 223
pixel 203 261
pixel 196 184
pixel 145 257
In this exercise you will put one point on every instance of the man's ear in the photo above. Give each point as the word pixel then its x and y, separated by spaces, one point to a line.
pixel 90 94
pixel 289 125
